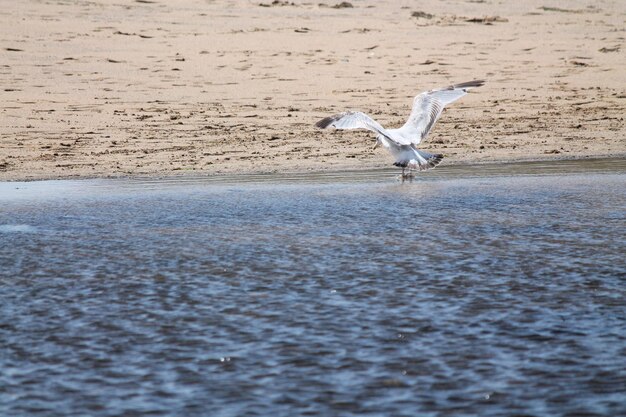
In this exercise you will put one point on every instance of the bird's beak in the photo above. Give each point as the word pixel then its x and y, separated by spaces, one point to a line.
pixel 376 145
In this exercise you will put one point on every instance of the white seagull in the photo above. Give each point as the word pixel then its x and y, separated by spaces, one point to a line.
pixel 402 142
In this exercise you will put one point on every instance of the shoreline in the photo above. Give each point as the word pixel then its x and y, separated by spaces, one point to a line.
pixel 173 175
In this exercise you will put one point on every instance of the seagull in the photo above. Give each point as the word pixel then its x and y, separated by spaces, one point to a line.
pixel 402 142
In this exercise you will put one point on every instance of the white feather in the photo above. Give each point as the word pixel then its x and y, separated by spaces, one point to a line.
pixel 427 108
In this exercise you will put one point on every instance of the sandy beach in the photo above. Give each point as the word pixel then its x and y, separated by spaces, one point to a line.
pixel 134 88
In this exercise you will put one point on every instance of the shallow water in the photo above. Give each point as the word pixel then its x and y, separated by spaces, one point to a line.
pixel 493 290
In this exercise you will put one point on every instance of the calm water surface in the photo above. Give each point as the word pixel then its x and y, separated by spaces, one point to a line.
pixel 486 291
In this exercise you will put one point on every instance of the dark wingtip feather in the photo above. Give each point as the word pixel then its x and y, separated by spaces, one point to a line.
pixel 433 161
pixel 436 160
pixel 430 163
pixel 469 84
pixel 325 122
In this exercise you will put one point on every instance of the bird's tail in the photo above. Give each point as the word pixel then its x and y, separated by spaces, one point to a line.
pixel 427 160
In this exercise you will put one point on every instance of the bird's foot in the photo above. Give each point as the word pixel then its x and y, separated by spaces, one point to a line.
pixel 406 176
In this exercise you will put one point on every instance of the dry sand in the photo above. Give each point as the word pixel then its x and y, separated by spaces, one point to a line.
pixel 116 88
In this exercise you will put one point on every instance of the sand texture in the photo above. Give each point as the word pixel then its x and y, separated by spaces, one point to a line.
pixel 117 88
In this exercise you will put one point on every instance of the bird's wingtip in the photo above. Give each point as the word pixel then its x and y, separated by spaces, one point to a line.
pixel 325 122
pixel 470 84
pixel 433 161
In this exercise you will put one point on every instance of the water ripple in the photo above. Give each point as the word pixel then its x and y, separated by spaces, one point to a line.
pixel 489 295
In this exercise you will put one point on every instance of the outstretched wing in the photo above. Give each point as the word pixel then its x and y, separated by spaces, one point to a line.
pixel 353 120
pixel 427 108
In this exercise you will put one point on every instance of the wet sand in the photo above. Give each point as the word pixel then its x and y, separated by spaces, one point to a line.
pixel 157 88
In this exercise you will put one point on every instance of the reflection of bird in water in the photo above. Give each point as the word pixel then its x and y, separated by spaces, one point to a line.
pixel 402 142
